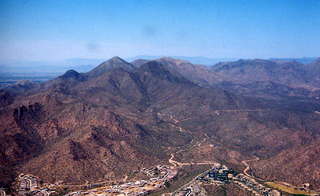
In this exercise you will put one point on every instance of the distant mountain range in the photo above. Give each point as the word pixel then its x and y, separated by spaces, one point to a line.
pixel 212 61
pixel 44 67
pixel 195 60
pixel 86 64
pixel 304 60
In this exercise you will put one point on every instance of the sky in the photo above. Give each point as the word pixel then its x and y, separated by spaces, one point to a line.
pixel 51 30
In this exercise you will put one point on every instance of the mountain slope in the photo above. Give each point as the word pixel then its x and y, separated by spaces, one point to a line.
pixel 247 71
pixel 77 119
pixel 288 166
pixel 118 118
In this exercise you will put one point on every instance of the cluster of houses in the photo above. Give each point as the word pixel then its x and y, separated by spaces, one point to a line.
pixel 159 177
pixel 253 186
pixel 31 185
pixel 192 189
pixel 219 174
pixel 28 182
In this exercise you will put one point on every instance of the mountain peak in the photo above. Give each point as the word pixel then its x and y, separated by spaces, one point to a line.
pixel 113 63
pixel 71 74
pixel 116 59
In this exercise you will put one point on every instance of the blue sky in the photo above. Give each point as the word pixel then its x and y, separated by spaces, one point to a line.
pixel 58 29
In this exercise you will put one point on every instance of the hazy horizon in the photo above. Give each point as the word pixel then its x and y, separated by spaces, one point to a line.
pixel 57 30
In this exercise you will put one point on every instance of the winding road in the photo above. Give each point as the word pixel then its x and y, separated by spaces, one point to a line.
pixel 245 171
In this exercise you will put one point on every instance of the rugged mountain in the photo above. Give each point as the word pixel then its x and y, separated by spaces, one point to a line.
pixel 192 59
pixel 271 78
pixel 83 126
pixel 117 118
pixel 198 74
pixel 263 79
pixel 6 98
pixel 291 74
pixel 9 93
pixel 277 95
pixel 301 159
